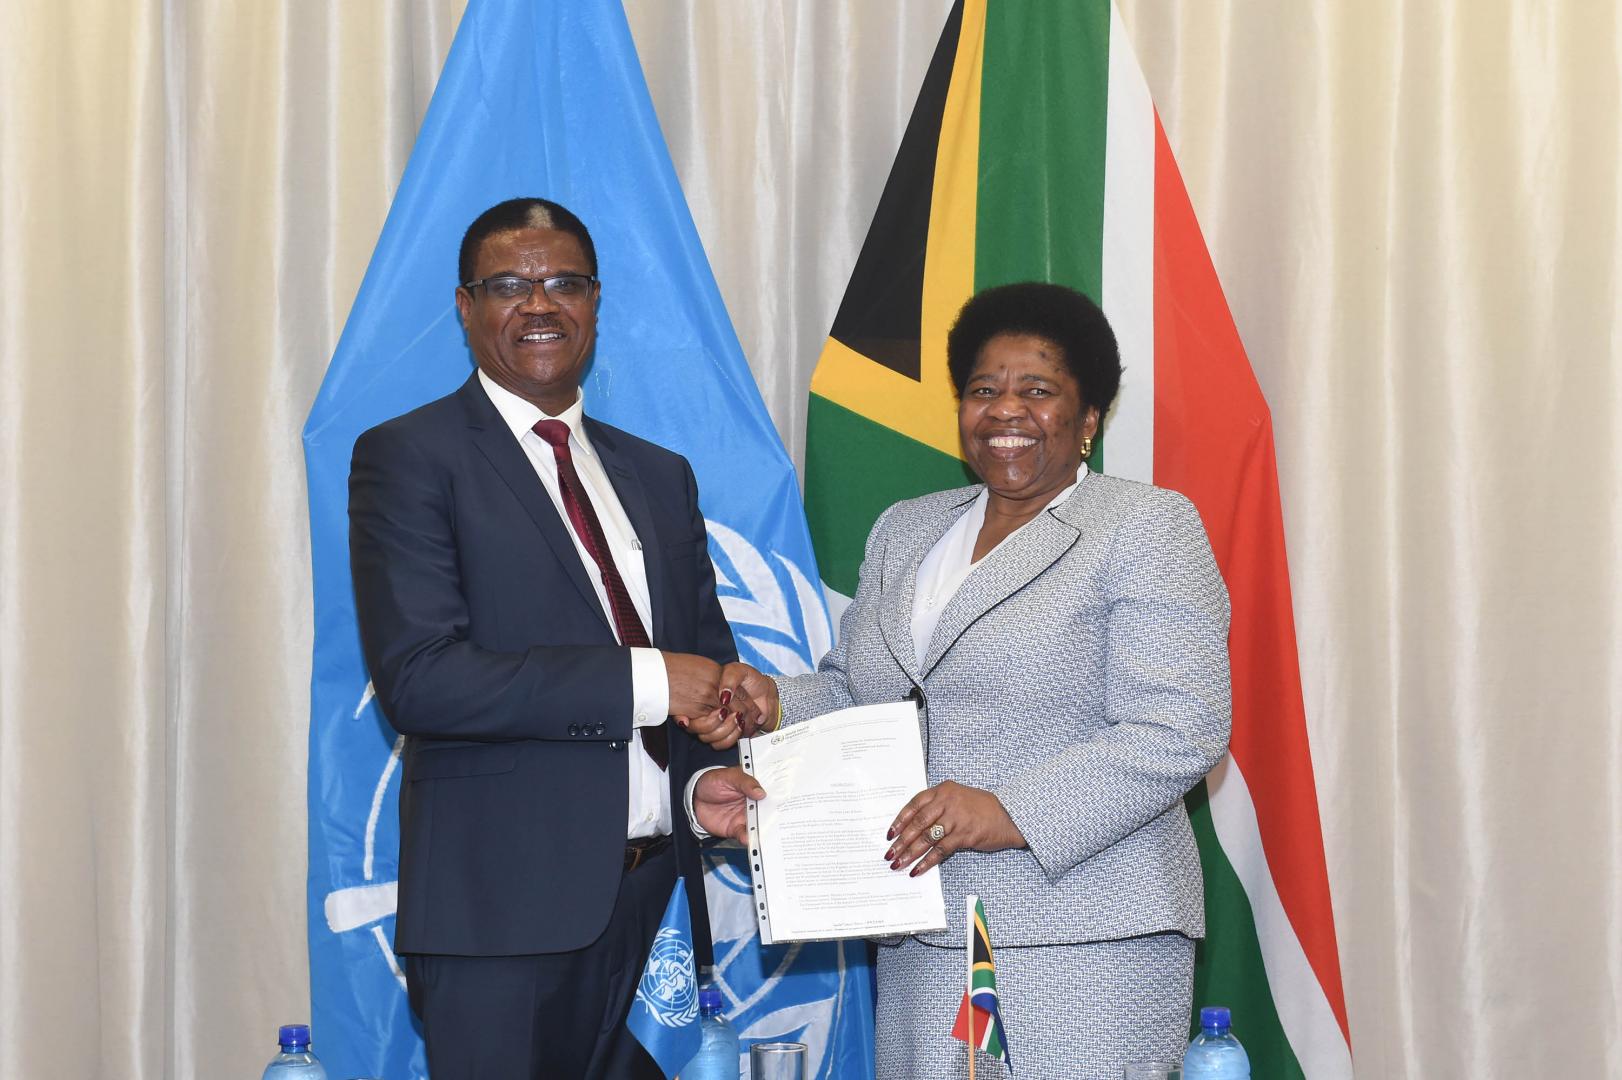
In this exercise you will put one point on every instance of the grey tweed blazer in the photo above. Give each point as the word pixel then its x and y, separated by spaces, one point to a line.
pixel 1080 674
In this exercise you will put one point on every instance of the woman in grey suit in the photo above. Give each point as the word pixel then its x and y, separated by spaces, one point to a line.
pixel 1065 633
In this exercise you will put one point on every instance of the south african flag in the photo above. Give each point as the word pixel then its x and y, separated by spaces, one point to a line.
pixel 979 1007
pixel 1035 153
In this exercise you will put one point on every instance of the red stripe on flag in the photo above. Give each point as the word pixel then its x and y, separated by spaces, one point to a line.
pixel 982 1024
pixel 1213 438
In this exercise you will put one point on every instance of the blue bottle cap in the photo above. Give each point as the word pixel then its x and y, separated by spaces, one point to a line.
pixel 293 1035
pixel 1216 1016
pixel 709 998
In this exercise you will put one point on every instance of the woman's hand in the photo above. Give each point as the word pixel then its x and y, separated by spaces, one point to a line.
pixel 973 819
pixel 748 705
pixel 752 698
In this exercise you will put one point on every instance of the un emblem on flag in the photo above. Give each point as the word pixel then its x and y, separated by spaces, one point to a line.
pixel 669 988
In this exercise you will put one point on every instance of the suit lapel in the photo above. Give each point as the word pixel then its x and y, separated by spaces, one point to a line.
pixel 998 576
pixel 634 500
pixel 495 441
pixel 899 582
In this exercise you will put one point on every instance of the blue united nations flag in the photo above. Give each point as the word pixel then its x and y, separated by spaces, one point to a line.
pixel 664 1015
pixel 549 100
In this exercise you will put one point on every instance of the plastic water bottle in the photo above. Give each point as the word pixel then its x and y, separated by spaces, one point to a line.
pixel 1214 1054
pixel 717 1057
pixel 295 1062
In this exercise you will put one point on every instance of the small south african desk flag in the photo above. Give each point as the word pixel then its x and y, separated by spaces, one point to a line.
pixel 980 995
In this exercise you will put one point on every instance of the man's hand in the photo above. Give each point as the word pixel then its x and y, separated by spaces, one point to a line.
pixel 748 706
pixel 718 802
pixel 694 684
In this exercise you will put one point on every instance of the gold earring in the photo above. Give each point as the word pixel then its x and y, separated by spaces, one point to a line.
pixel 1086 447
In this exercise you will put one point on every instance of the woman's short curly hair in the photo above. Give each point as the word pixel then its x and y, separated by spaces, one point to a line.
pixel 1056 313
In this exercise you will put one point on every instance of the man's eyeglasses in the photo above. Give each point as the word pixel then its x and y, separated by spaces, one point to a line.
pixel 512 289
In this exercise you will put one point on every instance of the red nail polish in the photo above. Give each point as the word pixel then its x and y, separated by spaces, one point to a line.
pixel 726 697
pixel 891 834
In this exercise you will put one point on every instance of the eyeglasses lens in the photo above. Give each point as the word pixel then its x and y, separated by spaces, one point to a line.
pixel 562 288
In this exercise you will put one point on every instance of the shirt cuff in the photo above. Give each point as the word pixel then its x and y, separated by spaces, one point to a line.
pixel 650 688
pixel 687 802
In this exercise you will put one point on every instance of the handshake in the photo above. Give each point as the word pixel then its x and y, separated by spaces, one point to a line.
pixel 720 704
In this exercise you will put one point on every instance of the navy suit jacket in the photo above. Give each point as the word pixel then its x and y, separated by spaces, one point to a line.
pixel 490 652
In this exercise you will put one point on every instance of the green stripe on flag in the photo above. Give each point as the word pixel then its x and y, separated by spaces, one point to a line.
pixel 1231 955
pixel 1043 102
pixel 854 470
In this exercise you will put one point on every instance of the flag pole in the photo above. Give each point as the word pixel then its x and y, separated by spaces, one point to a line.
pixel 968 989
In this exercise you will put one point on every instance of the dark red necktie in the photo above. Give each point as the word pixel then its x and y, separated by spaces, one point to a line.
pixel 590 530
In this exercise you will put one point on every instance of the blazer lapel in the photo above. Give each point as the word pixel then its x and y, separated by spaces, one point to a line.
pixel 898 582
pixel 998 576
pixel 495 441
pixel 634 499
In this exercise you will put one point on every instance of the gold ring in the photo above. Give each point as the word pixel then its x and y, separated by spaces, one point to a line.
pixel 937 833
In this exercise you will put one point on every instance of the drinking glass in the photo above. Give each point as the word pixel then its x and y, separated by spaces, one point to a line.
pixel 1153 1070
pixel 777 1061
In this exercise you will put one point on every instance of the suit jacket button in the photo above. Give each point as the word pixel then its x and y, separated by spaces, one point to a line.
pixel 601 729
pixel 574 729
pixel 616 745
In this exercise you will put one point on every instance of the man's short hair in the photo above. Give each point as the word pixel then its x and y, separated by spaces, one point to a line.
pixel 530 213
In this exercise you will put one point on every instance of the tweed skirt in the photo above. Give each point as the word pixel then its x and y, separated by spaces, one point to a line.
pixel 1071 1012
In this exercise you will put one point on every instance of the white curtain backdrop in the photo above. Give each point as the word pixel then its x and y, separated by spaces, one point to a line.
pixel 1416 210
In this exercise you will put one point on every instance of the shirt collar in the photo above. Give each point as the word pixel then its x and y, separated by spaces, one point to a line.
pixel 1081 474
pixel 520 416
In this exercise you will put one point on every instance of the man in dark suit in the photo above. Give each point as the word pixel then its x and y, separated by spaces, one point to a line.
pixel 535 598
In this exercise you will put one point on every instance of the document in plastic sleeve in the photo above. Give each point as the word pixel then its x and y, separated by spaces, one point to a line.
pixel 817 841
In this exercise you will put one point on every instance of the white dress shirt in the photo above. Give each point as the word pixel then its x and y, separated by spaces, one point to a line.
pixel 950 561
pixel 649 810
